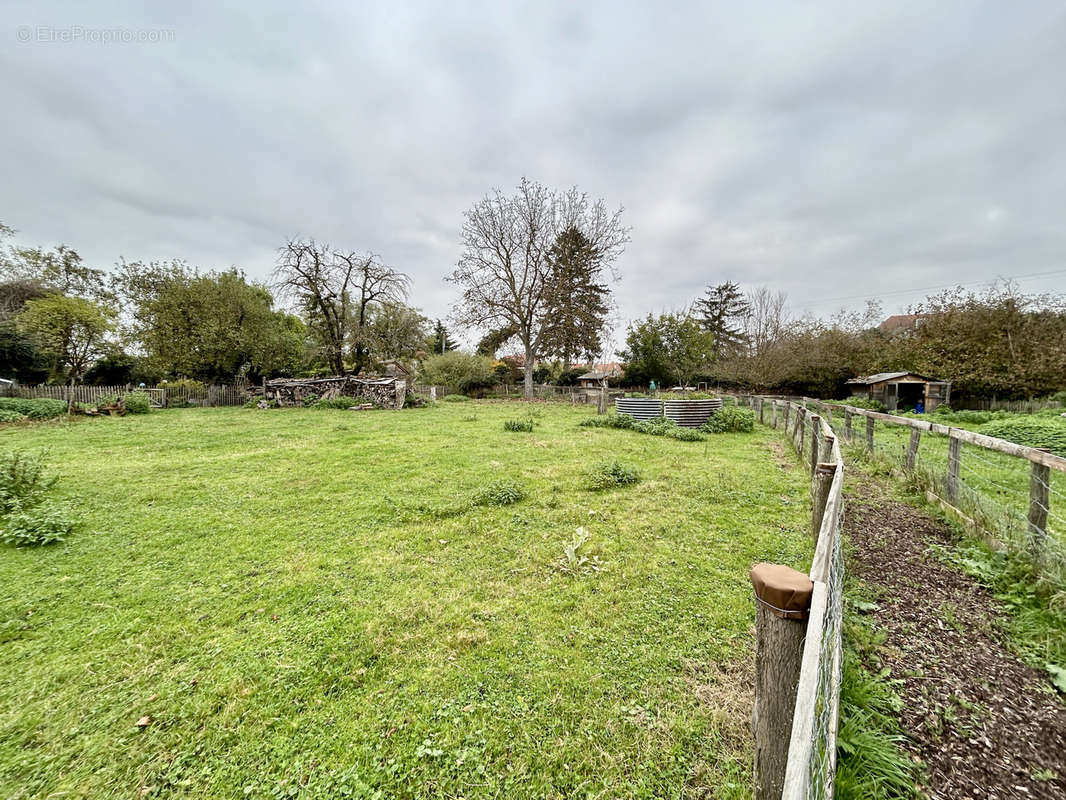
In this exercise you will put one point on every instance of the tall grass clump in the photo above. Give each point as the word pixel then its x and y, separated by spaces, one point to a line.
pixel 730 419
pixel 609 474
pixel 27 516
pixel 502 492
pixel 519 425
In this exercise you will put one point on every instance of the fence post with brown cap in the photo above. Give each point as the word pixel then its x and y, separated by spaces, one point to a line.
pixel 782 599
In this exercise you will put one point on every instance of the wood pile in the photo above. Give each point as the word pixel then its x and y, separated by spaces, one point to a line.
pixel 378 392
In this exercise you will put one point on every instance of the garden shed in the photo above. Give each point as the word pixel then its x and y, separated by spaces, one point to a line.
pixel 898 391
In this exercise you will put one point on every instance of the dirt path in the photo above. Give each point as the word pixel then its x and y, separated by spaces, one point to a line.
pixel 985 724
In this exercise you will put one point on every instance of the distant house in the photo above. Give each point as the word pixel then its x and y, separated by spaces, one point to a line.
pixel 598 373
pixel 902 390
pixel 901 323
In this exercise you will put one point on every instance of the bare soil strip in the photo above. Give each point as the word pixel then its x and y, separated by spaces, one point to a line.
pixel 985 724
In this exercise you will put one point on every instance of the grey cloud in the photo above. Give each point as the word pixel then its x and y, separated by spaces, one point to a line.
pixel 845 146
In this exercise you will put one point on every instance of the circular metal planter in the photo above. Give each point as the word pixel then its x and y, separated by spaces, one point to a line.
pixel 691 413
pixel 639 407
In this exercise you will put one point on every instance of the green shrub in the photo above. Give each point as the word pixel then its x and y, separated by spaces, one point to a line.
pixel 519 425
pixel 455 398
pixel 251 402
pixel 730 419
pixel 39 408
pixel 412 400
pixel 43 523
pixel 501 492
pixel 137 403
pixel 609 474
pixel 855 401
pixel 24 480
pixel 657 426
pixel 1031 432
pixel 7 415
pixel 311 399
pixel 342 402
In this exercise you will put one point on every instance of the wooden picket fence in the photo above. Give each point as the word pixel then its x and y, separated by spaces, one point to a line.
pixel 210 396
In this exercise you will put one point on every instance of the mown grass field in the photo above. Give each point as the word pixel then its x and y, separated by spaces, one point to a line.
pixel 304 604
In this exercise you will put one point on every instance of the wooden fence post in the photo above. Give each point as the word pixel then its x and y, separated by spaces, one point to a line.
pixel 870 434
pixel 954 457
pixel 816 430
pixel 848 434
pixel 821 484
pixel 912 449
pixel 762 416
pixel 1039 498
pixel 827 447
pixel 782 600
pixel 773 413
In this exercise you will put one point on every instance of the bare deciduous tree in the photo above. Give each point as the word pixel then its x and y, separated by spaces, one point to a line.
pixel 336 290
pixel 506 267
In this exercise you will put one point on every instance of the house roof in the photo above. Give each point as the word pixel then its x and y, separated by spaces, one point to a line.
pixel 593 376
pixel 898 322
pixel 880 377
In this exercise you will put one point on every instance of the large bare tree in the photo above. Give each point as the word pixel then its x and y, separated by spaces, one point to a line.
pixel 506 270
pixel 337 290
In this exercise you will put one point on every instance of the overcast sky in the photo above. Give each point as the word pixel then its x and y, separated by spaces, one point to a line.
pixel 833 151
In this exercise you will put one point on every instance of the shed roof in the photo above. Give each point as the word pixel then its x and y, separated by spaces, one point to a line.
pixel 593 376
pixel 881 377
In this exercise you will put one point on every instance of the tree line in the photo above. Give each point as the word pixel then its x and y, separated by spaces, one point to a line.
pixel 998 342
pixel 534 277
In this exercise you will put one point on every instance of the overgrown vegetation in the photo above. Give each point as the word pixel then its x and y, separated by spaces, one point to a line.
pixel 872 762
pixel 341 402
pixel 500 492
pixel 609 474
pixel 41 408
pixel 276 596
pixel 730 419
pixel 137 403
pixel 1030 431
pixel 519 425
pixel 659 426
pixel 27 515
pixel 455 398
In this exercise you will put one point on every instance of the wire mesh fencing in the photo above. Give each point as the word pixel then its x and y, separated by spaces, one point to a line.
pixel 810 769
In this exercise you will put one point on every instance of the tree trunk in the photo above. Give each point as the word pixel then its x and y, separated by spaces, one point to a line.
pixel 70 397
pixel 527 368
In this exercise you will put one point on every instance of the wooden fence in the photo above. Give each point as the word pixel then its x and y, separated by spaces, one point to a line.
pixel 798 685
pixel 212 395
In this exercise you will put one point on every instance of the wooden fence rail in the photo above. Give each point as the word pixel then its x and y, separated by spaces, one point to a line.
pixel 212 395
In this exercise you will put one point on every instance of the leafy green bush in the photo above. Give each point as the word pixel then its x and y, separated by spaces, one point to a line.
pixel 412 400
pixel 342 402
pixel 730 419
pixel 1031 432
pixel 503 492
pixel 608 474
pixel 137 403
pixel 467 372
pixel 657 426
pixel 43 523
pixel 612 420
pixel 455 398
pixel 519 425
pixel 24 480
pixel 39 408
pixel 855 401
pixel 7 415
pixel 251 402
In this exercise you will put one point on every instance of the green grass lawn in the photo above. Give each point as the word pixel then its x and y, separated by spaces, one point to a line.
pixel 993 486
pixel 305 604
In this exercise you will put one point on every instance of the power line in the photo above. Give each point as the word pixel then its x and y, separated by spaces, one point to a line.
pixel 892 292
